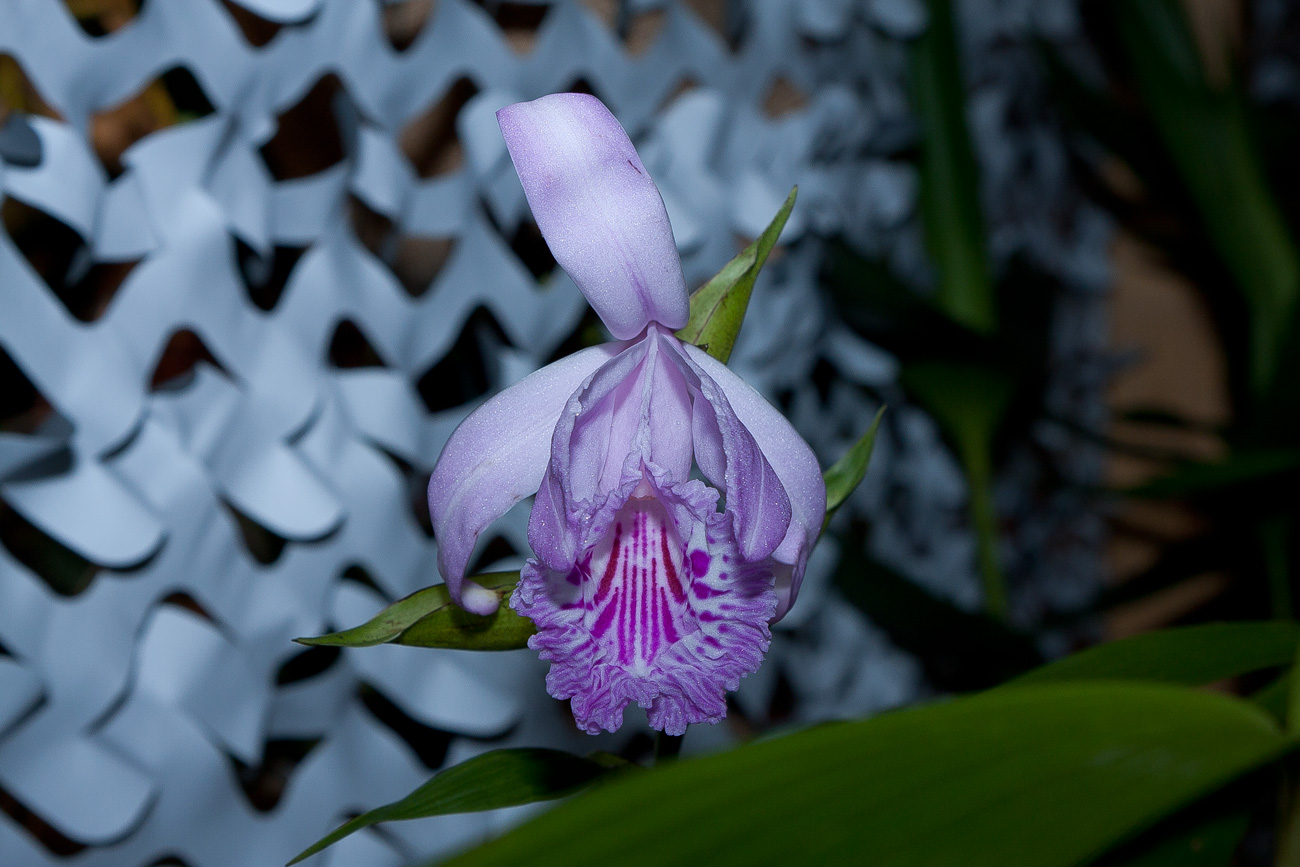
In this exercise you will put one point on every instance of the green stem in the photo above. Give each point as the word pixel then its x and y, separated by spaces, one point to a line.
pixel 667 747
pixel 1288 835
pixel 984 519
pixel 1273 542
pixel 969 402
pixel 1288 832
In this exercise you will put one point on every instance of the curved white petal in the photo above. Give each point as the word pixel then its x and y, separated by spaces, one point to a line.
pixel 494 459
pixel 598 209
pixel 795 465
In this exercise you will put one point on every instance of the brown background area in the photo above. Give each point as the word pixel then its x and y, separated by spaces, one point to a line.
pixel 1178 367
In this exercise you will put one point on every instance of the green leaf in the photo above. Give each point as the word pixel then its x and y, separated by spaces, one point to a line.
pixel 845 476
pixel 1211 843
pixel 1037 777
pixel 428 618
pixel 718 307
pixel 1154 415
pixel 1273 696
pixel 961 651
pixel 1292 721
pixel 1245 467
pixel 1207 133
pixel 1210 551
pixel 950 205
pixel 1274 539
pixel 1188 655
pixel 969 402
pixel 501 778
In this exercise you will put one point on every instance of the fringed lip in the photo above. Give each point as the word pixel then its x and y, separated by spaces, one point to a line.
pixel 661 609
pixel 642 589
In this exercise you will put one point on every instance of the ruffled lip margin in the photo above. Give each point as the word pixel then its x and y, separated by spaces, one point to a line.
pixel 730 601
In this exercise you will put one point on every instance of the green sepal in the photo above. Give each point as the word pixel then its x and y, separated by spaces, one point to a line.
pixel 718 307
pixel 843 478
pixel 428 618
pixel 500 778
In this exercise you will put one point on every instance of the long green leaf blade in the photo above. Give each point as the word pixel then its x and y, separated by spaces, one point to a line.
pixel 433 620
pixel 950 206
pixel 718 307
pixel 1212 843
pixel 970 402
pixel 1037 777
pixel 1246 467
pixel 1188 655
pixel 1209 139
pixel 501 778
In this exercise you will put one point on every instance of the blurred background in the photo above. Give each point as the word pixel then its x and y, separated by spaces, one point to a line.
pixel 261 256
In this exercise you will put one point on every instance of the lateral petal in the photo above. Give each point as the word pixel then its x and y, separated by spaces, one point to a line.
pixel 598 209
pixel 731 457
pixel 494 459
pixel 634 411
pixel 795 465
pixel 580 453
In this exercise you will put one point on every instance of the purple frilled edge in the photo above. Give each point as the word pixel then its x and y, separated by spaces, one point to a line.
pixel 641 588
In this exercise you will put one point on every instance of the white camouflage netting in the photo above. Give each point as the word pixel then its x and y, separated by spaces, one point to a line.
pixel 128 709
pixel 1274 51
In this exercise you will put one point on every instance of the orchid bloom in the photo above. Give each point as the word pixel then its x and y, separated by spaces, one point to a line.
pixel 641 588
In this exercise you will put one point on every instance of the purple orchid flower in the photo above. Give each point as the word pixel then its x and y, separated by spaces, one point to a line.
pixel 641 589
